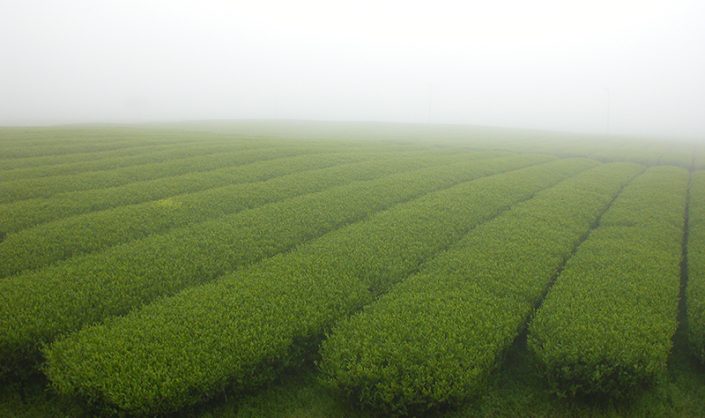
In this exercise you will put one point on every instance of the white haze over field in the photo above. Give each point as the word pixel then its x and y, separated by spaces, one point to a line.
pixel 603 66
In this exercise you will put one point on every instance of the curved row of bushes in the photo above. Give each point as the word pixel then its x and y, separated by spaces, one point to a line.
pixel 60 147
pixel 15 190
pixel 30 212
pixel 244 329
pixel 75 146
pixel 27 213
pixel 38 306
pixel 55 165
pixel 167 149
pixel 10 164
pixel 606 326
pixel 141 155
pixel 433 339
pixel 695 292
pixel 48 243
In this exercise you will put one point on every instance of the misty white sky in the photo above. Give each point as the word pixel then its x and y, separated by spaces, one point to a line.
pixel 561 65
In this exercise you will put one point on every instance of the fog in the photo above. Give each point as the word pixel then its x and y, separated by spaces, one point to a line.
pixel 600 66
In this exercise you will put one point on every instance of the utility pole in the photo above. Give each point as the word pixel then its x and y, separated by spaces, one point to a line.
pixel 608 116
pixel 429 101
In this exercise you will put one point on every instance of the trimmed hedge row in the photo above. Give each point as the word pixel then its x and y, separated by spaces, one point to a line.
pixel 51 242
pixel 606 326
pixel 49 161
pixel 47 186
pixel 147 155
pixel 433 339
pixel 135 143
pixel 243 329
pixel 151 153
pixel 138 138
pixel 27 213
pixel 38 306
pixel 66 144
pixel 57 148
pixel 695 292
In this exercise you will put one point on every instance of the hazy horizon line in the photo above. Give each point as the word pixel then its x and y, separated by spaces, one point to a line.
pixel 156 121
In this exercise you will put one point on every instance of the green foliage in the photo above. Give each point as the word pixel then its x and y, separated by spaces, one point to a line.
pixel 131 156
pixel 141 221
pixel 244 329
pixel 606 326
pixel 42 146
pixel 38 306
pixel 26 213
pixel 48 186
pixel 47 243
pixel 434 338
pixel 62 151
pixel 695 292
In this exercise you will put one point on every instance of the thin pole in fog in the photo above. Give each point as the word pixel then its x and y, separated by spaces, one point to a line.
pixel 608 113
pixel 429 101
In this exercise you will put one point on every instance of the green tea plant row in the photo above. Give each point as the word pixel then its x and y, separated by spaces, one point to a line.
pixel 35 136
pixel 26 213
pixel 434 338
pixel 48 243
pixel 649 153
pixel 15 135
pixel 44 187
pixel 8 165
pixel 695 292
pixel 634 150
pixel 135 139
pixel 123 157
pixel 142 154
pixel 10 152
pixel 148 154
pixel 244 329
pixel 60 145
pixel 38 306
pixel 33 139
pixel 23 214
pixel 136 146
pixel 63 142
pixel 605 327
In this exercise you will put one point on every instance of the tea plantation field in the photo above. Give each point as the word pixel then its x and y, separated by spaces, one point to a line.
pixel 300 269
